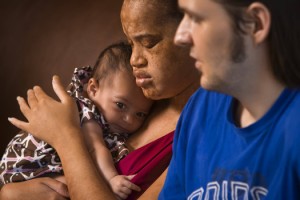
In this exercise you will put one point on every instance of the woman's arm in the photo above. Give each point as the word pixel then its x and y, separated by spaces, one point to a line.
pixel 57 123
pixel 153 191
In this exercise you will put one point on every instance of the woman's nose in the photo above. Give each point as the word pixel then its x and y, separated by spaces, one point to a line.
pixel 137 59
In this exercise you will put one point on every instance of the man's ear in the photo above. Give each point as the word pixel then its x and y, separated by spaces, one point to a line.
pixel 261 17
pixel 92 88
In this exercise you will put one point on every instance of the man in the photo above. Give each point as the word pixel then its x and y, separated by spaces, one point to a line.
pixel 241 144
pixel 164 72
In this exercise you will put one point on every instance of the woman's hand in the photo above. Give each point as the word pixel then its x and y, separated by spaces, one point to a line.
pixel 35 189
pixel 48 118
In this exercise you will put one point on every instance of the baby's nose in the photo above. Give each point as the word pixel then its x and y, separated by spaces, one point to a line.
pixel 128 118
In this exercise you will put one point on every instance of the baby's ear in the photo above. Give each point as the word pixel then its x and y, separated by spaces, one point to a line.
pixel 92 87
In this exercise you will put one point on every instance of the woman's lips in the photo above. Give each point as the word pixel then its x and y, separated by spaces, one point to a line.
pixel 142 79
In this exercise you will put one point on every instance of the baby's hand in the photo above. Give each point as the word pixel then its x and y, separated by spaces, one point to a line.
pixel 122 186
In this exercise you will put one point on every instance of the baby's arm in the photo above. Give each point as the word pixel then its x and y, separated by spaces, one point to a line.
pixel 101 155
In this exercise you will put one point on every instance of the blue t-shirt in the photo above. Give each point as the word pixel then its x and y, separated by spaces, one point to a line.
pixel 214 159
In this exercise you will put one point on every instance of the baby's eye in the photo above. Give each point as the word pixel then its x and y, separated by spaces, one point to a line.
pixel 141 115
pixel 120 105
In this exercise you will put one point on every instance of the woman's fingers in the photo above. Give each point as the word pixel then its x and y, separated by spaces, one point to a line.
pixel 39 93
pixel 31 98
pixel 25 109
pixel 39 188
pixel 45 115
pixel 59 89
pixel 23 106
pixel 19 124
pixel 57 186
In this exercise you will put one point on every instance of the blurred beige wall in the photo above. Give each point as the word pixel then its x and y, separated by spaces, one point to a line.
pixel 40 38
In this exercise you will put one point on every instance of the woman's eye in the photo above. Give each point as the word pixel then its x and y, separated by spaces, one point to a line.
pixel 141 115
pixel 120 105
pixel 149 44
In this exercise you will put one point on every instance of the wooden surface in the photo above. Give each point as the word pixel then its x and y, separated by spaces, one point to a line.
pixel 40 38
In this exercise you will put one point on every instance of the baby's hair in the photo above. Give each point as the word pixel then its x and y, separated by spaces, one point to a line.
pixel 113 58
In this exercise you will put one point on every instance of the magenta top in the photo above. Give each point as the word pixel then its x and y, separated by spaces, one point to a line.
pixel 147 162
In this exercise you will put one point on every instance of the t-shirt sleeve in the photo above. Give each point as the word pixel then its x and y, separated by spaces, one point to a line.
pixel 174 184
pixel 172 188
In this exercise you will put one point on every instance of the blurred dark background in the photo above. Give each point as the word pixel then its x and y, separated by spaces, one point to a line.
pixel 40 38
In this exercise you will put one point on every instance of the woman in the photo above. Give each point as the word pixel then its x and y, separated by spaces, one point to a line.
pixel 164 72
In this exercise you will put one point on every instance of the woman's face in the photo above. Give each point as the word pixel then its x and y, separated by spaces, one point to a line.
pixel 162 69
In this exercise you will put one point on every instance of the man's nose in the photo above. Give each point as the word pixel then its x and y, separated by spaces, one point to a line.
pixel 183 36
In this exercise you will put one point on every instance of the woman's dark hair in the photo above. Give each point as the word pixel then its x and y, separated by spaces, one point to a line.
pixel 171 9
pixel 113 58
pixel 284 36
pixel 168 9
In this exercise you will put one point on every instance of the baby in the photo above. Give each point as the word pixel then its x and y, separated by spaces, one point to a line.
pixel 111 106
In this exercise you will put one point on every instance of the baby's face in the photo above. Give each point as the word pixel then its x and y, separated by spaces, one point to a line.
pixel 121 102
